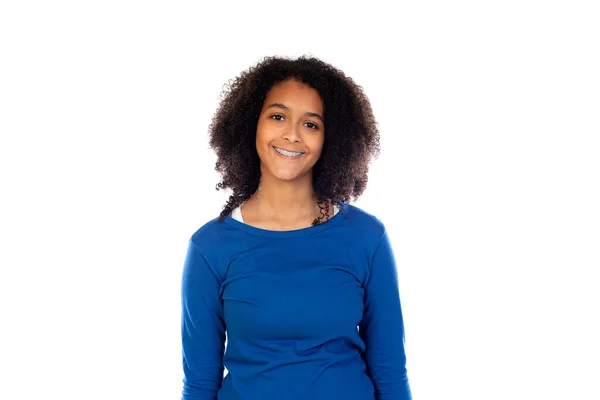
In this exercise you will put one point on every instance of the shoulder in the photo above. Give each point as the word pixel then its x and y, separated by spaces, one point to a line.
pixel 363 231
pixel 216 241
pixel 207 231
pixel 212 233
pixel 364 223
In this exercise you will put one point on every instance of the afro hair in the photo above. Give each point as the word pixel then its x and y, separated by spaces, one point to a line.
pixel 351 133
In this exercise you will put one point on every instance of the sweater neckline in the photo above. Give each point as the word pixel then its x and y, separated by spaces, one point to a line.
pixel 289 233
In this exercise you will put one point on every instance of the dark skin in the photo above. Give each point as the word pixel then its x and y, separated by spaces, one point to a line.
pixel 339 175
pixel 291 119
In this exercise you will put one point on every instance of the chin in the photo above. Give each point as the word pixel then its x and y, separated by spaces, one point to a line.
pixel 289 176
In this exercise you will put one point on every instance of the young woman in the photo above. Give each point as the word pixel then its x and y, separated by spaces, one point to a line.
pixel 303 283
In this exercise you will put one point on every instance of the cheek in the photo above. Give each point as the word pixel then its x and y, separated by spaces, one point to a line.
pixel 262 143
pixel 316 144
pixel 264 133
pixel 260 137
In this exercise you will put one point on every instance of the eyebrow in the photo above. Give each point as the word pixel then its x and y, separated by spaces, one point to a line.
pixel 283 106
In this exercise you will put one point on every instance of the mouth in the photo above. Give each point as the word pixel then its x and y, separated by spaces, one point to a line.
pixel 288 154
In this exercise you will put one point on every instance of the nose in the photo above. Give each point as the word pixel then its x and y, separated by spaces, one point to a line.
pixel 292 134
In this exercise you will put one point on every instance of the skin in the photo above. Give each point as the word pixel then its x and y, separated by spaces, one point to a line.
pixel 285 199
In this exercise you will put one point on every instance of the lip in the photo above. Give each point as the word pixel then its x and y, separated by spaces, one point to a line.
pixel 291 151
pixel 290 158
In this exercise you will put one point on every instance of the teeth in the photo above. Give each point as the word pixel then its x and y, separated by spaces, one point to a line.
pixel 287 153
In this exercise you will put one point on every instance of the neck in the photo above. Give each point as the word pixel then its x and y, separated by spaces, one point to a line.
pixel 291 198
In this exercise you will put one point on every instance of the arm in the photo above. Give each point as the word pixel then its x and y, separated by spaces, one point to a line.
pixel 382 327
pixel 202 328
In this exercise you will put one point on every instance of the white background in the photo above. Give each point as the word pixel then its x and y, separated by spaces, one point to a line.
pixel 488 182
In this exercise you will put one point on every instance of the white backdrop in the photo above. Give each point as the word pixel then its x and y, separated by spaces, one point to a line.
pixel 488 183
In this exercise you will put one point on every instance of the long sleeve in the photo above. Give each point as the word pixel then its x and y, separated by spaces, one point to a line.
pixel 382 327
pixel 202 328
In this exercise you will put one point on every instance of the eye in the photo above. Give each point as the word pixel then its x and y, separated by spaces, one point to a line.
pixel 279 117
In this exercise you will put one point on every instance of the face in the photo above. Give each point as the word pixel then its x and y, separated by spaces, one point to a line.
pixel 290 131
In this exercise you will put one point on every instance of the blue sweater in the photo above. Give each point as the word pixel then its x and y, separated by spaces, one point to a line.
pixel 312 313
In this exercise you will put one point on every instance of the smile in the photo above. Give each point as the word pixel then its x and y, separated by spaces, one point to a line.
pixel 286 153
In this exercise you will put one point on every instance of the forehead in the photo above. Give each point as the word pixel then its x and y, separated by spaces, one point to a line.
pixel 295 94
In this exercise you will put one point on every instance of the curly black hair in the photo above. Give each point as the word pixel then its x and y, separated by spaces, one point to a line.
pixel 351 132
